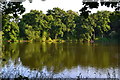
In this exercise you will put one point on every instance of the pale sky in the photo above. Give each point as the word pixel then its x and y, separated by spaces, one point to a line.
pixel 74 5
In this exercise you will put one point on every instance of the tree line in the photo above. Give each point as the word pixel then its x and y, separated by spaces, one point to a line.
pixel 58 25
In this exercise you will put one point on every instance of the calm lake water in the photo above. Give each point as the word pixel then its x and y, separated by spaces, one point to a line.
pixel 59 60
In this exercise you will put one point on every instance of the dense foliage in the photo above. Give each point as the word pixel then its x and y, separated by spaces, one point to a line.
pixel 58 24
pixel 14 8
pixel 90 4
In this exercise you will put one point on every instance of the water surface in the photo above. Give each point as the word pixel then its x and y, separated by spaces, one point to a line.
pixel 59 60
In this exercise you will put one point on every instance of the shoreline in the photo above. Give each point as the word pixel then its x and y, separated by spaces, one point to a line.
pixel 62 41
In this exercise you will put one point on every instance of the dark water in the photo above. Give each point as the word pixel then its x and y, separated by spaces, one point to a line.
pixel 61 60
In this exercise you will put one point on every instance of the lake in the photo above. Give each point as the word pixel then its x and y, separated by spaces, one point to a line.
pixel 59 60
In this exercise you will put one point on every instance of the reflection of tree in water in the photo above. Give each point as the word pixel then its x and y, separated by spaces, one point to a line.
pixel 0 40
pixel 62 55
pixel 10 51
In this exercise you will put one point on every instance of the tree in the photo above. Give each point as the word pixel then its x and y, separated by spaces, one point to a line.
pixel 115 25
pixel 95 25
pixel 84 29
pixel 56 13
pixel 57 29
pixel 90 4
pixel 28 32
pixel 10 29
pixel 57 25
pixel 14 8
pixel 10 23
pixel 100 22
pixel 30 23
pixel 38 21
pixel 69 21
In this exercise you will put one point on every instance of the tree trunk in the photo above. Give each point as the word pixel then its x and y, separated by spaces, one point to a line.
pixel 94 36
pixel 56 36
pixel 102 35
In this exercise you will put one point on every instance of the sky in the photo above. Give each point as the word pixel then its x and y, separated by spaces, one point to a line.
pixel 74 5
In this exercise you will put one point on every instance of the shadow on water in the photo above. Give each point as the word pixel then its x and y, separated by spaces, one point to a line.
pixel 60 60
